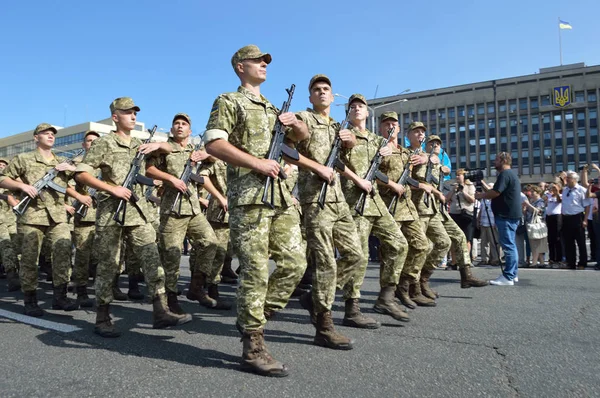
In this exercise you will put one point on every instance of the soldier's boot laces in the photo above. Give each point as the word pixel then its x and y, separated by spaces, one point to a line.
pixel 104 326
pixel 134 292
pixel 327 336
pixel 83 299
pixel 307 303
pixel 468 280
pixel 213 293
pixel 416 296
pixel 356 319
pixel 173 304
pixel 31 304
pixel 14 283
pixel 196 291
pixel 256 357
pixel 426 289
pixel 386 304
pixel 228 275
pixel 162 317
pixel 61 301
pixel 116 291
pixel 402 293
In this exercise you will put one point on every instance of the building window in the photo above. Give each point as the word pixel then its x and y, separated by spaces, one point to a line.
pixel 533 102
pixel 523 104
pixel 592 96
pixel 442 114
pixel 480 109
pixel 491 108
pixel 406 118
pixel 512 106
pixel 545 100
pixel 502 106
pixel 579 96
pixel 451 113
pixel 423 116
pixel 432 115
pixel 461 111
pixel 470 110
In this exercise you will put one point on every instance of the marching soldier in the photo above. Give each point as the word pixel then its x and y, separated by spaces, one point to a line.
pixel 8 236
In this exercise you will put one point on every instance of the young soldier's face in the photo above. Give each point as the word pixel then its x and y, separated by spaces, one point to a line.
pixel 435 146
pixel 320 95
pixel 2 166
pixel 181 129
pixel 87 142
pixel 253 70
pixel 416 135
pixel 45 139
pixel 386 125
pixel 125 118
pixel 358 111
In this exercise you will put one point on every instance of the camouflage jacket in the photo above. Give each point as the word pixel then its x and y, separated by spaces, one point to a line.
pixel 419 173
pixel 112 156
pixel 317 147
pixel 90 216
pixel 173 164
pixel 30 167
pixel 247 122
pixel 358 159
pixel 217 172
pixel 7 217
pixel 393 167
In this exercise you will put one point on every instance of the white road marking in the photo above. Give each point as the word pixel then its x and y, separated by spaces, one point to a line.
pixel 43 323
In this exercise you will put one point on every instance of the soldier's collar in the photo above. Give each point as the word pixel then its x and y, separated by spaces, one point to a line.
pixel 119 140
pixel 42 159
pixel 177 147
pixel 251 96
pixel 319 117
pixel 360 134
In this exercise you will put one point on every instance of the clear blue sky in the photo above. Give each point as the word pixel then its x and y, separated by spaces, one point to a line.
pixel 74 57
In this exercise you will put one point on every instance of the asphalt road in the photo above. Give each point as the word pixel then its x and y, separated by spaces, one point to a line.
pixel 538 338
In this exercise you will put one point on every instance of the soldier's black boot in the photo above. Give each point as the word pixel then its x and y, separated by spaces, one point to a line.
pixel 307 303
pixel 83 299
pixel 14 283
pixel 228 275
pixel 116 291
pixel 61 301
pixel 31 304
pixel 162 317
pixel 213 293
pixel 104 327
pixel 134 292
pixel 173 304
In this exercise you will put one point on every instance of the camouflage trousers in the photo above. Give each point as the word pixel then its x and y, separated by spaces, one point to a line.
pixel 223 248
pixel 59 240
pixel 142 241
pixel 8 251
pixel 394 249
pixel 83 239
pixel 459 242
pixel 172 232
pixel 418 247
pixel 128 262
pixel 327 229
pixel 436 233
pixel 256 231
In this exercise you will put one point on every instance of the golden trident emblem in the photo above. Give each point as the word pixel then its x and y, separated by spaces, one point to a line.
pixel 562 96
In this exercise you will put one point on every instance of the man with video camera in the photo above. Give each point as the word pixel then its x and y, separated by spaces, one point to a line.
pixel 462 206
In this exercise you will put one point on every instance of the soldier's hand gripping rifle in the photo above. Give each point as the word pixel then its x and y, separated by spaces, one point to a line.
pixel 47 181
pixel 406 178
pixel 373 173
pixel 133 177
pixel 429 177
pixel 150 197
pixel 333 161
pixel 81 209
pixel 187 175
pixel 278 149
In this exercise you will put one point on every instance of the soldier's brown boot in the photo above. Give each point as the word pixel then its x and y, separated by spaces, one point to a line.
pixel 173 304
pixel 386 304
pixel 426 289
pixel 256 358
pixel 83 299
pixel 196 291
pixel 326 335
pixel 356 319
pixel 307 303
pixel 468 280
pixel 402 293
pixel 134 292
pixel 14 283
pixel 415 295
pixel 104 327
pixel 31 304
pixel 162 317
pixel 60 301
pixel 228 275
pixel 116 291
pixel 213 293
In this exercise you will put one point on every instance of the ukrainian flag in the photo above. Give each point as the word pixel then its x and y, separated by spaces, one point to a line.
pixel 564 25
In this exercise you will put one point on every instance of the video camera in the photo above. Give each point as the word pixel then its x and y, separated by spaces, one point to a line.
pixel 475 176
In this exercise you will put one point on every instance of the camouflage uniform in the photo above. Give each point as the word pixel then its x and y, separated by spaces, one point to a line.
pixel 331 227
pixel 247 122
pixel 191 222
pixel 8 236
pixel 112 156
pixel 45 218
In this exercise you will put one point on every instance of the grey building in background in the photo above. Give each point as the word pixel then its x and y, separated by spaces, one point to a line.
pixel 547 121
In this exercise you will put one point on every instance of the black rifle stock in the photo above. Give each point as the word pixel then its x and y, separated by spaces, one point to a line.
pixel 429 178
pixel 3 196
pixel 186 175
pixel 43 184
pixel 133 177
pixel 333 161
pixel 373 173
pixel 405 178
pixel 278 149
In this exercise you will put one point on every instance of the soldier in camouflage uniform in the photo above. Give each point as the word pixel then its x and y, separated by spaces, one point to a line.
pixel 43 218
pixel 239 132
pixel 405 214
pixel 457 236
pixel 376 218
pixel 113 154
pixel 190 221
pixel 8 236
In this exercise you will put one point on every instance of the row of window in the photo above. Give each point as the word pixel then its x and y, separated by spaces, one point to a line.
pixel 29 145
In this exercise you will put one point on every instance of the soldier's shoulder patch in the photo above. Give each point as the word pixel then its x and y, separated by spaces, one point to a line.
pixel 215 108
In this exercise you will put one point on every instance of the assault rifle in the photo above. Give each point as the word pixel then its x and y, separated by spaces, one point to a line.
pixel 187 175
pixel 150 197
pixel 81 209
pixel 43 184
pixel 278 149
pixel 440 187
pixel 406 178
pixel 133 177
pixel 3 196
pixel 333 160
pixel 374 173
pixel 429 177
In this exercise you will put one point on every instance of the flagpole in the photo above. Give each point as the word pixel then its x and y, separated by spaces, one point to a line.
pixel 559 41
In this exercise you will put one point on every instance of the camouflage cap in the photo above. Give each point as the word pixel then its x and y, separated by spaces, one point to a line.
pixel 434 137
pixel 43 127
pixel 416 125
pixel 358 97
pixel 249 52
pixel 389 115
pixel 318 78
pixel 123 104
pixel 184 116
pixel 5 160
pixel 91 132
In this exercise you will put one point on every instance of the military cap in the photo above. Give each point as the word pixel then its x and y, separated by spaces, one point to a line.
pixel 249 52
pixel 183 116
pixel 91 132
pixel 43 127
pixel 389 115
pixel 123 104
pixel 358 97
pixel 434 137
pixel 4 160
pixel 318 78
pixel 416 125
